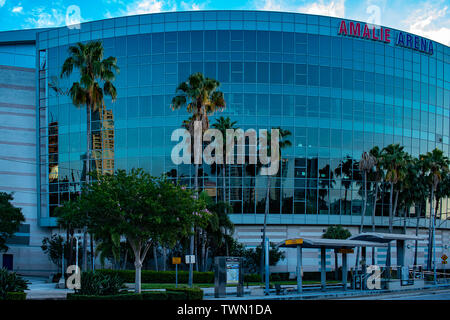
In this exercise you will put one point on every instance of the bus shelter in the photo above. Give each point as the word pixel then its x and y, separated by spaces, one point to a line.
pixel 387 238
pixel 342 246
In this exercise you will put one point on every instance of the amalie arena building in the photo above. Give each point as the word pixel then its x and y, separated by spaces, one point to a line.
pixel 339 86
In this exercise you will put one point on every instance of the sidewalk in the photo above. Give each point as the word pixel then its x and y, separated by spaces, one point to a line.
pixel 315 294
pixel 40 289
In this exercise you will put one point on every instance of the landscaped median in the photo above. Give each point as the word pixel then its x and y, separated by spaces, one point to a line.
pixel 169 294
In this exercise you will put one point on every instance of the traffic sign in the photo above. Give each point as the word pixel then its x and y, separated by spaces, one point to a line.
pixel 294 241
pixel 444 257
pixel 345 250
pixel 444 262
pixel 176 260
pixel 190 259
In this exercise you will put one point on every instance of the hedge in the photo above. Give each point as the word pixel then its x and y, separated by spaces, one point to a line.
pixel 126 296
pixel 151 276
pixel 172 294
pixel 191 293
pixel 16 296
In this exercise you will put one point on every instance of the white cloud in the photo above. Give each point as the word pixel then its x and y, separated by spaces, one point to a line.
pixel 334 8
pixel 144 6
pixel 192 6
pixel 2 3
pixel 43 19
pixel 430 21
pixel 17 9
pixel 271 5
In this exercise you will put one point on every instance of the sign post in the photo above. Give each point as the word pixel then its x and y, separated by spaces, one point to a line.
pixel 444 262
pixel 228 270
pixel 176 261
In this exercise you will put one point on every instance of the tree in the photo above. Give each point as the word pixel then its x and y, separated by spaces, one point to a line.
pixel 96 81
pixel 54 248
pixel 394 161
pixel 283 142
pixel 336 232
pixel 376 175
pixel 10 219
pixel 142 209
pixel 366 165
pixel 436 165
pixel 253 256
pixel 223 124
pixel 201 97
pixel 346 169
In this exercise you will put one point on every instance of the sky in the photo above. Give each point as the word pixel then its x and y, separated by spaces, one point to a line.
pixel 430 18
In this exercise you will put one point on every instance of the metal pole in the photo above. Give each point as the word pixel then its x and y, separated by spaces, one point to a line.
pixel 344 270
pixel 267 264
pixel 434 249
pixel 191 265
pixel 299 269
pixel 76 254
pixel 176 276
pixel 323 266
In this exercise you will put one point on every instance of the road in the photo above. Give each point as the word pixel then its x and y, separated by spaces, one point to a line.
pixel 416 295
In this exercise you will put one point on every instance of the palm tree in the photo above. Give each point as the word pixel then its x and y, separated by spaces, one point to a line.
pixel 200 97
pixel 344 170
pixel 394 163
pixel 436 165
pixel 96 81
pixel 284 142
pixel 336 232
pixel 366 165
pixel 223 124
pixel 376 176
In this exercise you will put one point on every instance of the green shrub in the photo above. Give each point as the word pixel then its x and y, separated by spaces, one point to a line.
pixel 11 282
pixel 155 295
pixel 94 283
pixel 16 296
pixel 252 277
pixel 125 296
pixel 191 293
pixel 151 276
pixel 176 296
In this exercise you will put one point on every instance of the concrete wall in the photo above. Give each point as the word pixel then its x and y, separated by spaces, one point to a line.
pixel 18 154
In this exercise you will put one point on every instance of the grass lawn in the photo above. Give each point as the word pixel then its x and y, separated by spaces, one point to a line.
pixel 146 286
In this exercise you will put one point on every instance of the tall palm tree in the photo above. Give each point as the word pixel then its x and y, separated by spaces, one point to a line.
pixel 394 164
pixel 283 143
pixel 201 97
pixel 223 124
pixel 366 165
pixel 437 166
pixel 96 81
pixel 345 170
pixel 376 175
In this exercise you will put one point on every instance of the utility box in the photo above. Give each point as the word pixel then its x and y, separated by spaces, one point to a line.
pixel 228 270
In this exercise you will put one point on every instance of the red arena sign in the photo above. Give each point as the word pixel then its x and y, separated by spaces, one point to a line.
pixel 356 29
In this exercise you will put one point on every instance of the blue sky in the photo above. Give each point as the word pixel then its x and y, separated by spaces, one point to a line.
pixel 427 18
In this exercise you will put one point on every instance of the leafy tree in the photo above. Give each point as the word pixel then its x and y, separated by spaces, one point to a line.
pixel 96 81
pixel 54 248
pixel 336 232
pixel 10 219
pixel 347 171
pixel 143 209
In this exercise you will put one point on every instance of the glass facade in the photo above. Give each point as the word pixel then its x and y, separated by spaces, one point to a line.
pixel 337 95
